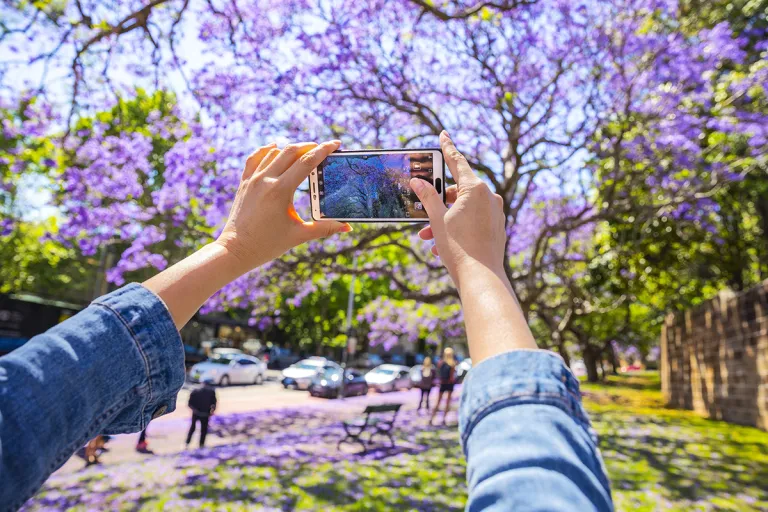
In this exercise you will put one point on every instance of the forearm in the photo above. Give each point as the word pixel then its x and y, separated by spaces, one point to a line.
pixel 109 369
pixel 185 286
pixel 527 438
pixel 494 321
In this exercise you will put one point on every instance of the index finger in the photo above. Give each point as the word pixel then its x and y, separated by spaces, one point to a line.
pixel 457 164
pixel 299 171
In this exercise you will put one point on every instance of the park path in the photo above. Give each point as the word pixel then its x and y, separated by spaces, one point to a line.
pixel 166 435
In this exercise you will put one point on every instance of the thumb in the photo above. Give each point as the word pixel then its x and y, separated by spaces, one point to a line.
pixel 324 228
pixel 429 197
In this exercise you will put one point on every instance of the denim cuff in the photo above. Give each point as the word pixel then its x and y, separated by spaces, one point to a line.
pixel 158 341
pixel 515 378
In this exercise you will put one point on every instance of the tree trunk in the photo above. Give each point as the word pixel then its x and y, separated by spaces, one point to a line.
pixel 614 359
pixel 602 368
pixel 563 352
pixel 590 361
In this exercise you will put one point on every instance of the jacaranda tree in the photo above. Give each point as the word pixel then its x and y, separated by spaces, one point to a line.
pixel 569 110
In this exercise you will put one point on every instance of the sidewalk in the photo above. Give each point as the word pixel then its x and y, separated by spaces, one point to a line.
pixel 167 435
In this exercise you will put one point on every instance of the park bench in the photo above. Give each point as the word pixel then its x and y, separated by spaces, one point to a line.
pixel 377 420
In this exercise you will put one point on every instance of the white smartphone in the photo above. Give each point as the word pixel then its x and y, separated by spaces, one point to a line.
pixel 373 185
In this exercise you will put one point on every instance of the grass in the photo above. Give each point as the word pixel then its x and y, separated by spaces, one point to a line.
pixel 656 458
pixel 668 459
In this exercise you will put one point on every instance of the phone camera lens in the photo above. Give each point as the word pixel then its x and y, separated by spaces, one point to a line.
pixel 439 185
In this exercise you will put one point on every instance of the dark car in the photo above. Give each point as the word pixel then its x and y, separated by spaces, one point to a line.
pixel 193 355
pixel 328 384
pixel 278 358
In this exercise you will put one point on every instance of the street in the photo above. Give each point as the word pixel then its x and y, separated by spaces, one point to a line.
pixel 167 434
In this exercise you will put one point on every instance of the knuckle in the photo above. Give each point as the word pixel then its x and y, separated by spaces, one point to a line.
pixel 307 159
pixel 291 150
pixel 454 155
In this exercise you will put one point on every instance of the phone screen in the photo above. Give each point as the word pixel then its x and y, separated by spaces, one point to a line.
pixel 372 186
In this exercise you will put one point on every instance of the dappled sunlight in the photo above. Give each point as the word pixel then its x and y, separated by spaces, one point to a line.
pixel 657 459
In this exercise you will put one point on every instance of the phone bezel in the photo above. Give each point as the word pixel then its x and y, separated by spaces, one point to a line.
pixel 438 171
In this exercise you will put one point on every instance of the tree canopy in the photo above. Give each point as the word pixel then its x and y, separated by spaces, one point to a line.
pixel 627 139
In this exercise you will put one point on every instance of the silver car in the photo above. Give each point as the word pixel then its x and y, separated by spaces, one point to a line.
pixel 230 368
pixel 389 377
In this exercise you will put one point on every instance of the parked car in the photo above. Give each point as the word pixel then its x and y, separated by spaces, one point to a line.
pixel 230 368
pixel 192 356
pixel 300 375
pixel 328 384
pixel 226 350
pixel 389 377
pixel 279 358
pixel 366 361
pixel 415 375
pixel 462 369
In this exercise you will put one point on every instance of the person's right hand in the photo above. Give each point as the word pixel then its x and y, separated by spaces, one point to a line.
pixel 470 233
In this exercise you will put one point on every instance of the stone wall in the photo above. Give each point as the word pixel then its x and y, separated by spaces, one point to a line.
pixel 714 358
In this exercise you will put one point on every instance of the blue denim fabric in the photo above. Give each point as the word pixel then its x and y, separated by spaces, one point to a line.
pixel 107 370
pixel 527 438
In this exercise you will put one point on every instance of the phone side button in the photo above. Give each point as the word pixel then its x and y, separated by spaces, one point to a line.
pixel 439 185
pixel 313 188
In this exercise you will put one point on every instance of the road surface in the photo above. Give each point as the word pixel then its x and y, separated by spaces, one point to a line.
pixel 167 434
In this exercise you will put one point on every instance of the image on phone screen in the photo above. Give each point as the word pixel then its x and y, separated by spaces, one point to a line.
pixel 372 186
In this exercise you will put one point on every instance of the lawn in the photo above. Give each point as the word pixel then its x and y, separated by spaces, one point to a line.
pixel 667 459
pixel 656 458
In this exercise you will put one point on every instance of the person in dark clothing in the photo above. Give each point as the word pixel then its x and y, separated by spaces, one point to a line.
pixel 142 446
pixel 202 401
pixel 446 372
pixel 427 379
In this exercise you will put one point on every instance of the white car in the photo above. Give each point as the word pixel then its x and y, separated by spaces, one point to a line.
pixel 300 375
pixel 389 377
pixel 226 351
pixel 230 368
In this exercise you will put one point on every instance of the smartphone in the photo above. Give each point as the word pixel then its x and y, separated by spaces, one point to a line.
pixel 373 185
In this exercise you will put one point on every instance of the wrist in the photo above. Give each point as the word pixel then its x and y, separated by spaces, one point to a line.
pixel 239 260
pixel 471 270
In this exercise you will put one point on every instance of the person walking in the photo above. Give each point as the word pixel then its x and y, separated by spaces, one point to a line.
pixel 202 401
pixel 142 446
pixel 446 373
pixel 426 382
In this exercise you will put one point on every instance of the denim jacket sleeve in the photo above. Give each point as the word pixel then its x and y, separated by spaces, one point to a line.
pixel 528 441
pixel 107 370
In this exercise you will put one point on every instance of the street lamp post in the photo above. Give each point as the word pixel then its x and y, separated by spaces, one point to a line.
pixel 348 329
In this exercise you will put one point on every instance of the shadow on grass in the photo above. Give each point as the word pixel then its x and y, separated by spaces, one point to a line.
pixel 686 459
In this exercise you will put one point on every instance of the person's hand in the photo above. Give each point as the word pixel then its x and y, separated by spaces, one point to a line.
pixel 470 233
pixel 263 223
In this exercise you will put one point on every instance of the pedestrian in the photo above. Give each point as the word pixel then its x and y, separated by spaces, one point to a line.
pixel 202 401
pixel 142 446
pixel 119 363
pixel 93 449
pixel 446 374
pixel 426 382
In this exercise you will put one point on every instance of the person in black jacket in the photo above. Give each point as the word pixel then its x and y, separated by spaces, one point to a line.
pixel 202 401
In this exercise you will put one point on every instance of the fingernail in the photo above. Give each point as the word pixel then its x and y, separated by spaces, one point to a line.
pixel 336 141
pixel 447 135
pixel 273 143
pixel 346 229
pixel 417 185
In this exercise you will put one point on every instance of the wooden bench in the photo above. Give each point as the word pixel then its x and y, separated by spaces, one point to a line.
pixel 378 420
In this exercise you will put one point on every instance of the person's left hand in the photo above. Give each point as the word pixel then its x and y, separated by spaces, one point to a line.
pixel 263 223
